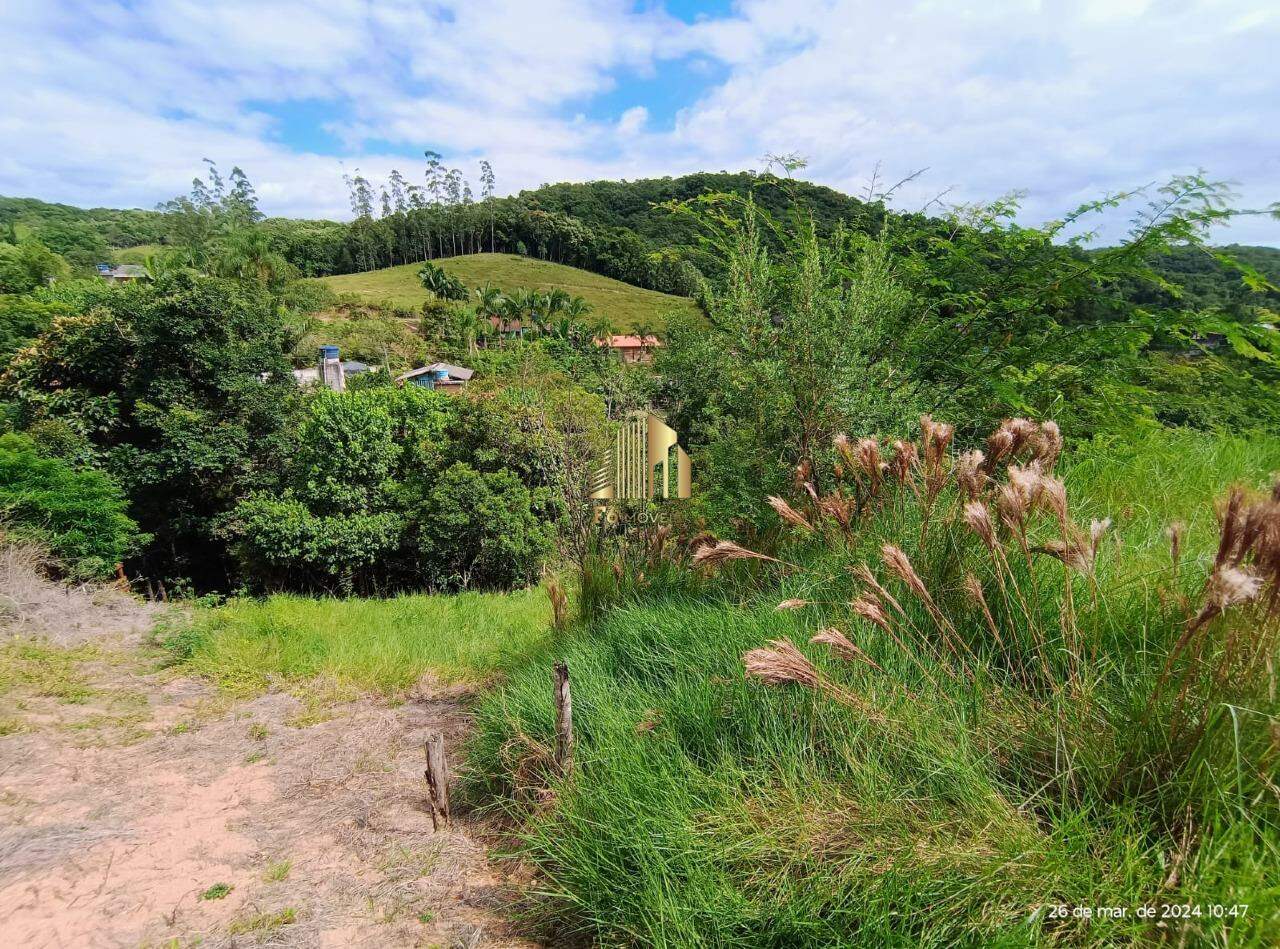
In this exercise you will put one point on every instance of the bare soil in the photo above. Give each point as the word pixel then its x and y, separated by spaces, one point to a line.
pixel 139 808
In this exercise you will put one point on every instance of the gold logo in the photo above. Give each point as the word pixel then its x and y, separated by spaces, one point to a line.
pixel 646 462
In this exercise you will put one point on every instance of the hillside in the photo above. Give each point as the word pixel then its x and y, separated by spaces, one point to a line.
pixel 625 306
pixel 637 206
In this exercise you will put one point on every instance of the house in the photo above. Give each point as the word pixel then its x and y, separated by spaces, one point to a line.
pixel 123 273
pixel 631 349
pixel 334 372
pixel 503 328
pixel 438 375
pixel 350 367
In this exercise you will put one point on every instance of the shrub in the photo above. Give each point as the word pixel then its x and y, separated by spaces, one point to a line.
pixel 79 514
pixel 22 319
pixel 26 265
pixel 481 530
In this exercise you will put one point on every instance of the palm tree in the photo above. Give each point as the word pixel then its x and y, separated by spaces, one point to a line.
pixel 516 307
pixel 577 308
pixel 489 304
pixel 246 253
pixel 601 328
pixel 646 330
pixel 557 300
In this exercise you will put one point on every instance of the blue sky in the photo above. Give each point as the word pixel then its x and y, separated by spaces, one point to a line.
pixel 115 102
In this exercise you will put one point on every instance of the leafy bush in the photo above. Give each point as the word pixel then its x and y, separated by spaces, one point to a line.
pixel 481 530
pixel 341 517
pixel 78 514
pixel 22 319
pixel 164 384
pixel 27 265
pixel 282 543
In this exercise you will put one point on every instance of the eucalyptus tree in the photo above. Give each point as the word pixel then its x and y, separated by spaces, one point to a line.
pixel 453 191
pixel 487 185
pixel 435 187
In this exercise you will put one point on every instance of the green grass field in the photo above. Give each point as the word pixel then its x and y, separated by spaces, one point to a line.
pixel 622 303
pixel 135 255
pixel 380 646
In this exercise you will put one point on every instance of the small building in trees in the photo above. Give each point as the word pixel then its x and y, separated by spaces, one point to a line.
pixel 631 348
pixel 439 375
pixel 331 370
pixel 122 273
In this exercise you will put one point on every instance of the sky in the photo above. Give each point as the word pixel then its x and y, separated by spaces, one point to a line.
pixel 116 102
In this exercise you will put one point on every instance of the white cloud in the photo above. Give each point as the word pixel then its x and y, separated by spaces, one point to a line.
pixel 116 103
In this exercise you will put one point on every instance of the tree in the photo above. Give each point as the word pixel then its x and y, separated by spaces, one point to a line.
pixel 444 285
pixel 974 318
pixel 247 255
pixel 22 319
pixel 487 186
pixel 27 265
pixel 339 523
pixel 480 530
pixel 78 514
pixel 180 391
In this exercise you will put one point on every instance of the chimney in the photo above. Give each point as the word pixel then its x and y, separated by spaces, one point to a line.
pixel 331 369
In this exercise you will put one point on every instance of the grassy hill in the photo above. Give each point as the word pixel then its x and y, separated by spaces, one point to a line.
pixel 622 303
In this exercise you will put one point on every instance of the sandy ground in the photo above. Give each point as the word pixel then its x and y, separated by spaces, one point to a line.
pixel 126 804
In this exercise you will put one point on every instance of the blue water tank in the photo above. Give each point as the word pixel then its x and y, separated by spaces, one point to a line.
pixel 440 375
pixel 328 352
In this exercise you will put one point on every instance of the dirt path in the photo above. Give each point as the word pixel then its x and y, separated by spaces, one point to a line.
pixel 131 800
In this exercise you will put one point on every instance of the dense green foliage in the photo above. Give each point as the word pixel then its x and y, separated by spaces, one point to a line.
pixel 22 319
pixel 382 646
pixel 910 795
pixel 158 385
pixel 78 515
pixel 26 265
pixel 396 488
pixel 808 335
pixel 83 237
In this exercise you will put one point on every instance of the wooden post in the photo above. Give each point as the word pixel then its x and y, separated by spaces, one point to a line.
pixel 437 780
pixel 564 719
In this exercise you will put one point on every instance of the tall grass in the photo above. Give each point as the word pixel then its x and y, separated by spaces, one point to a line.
pixel 381 646
pixel 951 773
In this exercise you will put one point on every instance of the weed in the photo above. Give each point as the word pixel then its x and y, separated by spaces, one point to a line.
pixel 262 922
pixel 259 732
pixel 36 668
pixel 278 871
pixel 329 650
pixel 217 891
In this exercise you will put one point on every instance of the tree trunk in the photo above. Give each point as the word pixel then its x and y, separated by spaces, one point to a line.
pixel 437 780
pixel 564 720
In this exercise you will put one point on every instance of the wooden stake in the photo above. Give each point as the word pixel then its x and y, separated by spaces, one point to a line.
pixel 437 780
pixel 564 719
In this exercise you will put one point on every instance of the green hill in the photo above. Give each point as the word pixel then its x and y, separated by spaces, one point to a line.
pixel 623 304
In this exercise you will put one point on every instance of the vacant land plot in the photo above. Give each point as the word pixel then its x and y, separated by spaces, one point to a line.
pixel 140 806
pixel 623 304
